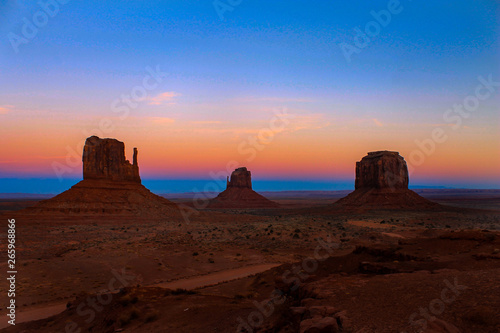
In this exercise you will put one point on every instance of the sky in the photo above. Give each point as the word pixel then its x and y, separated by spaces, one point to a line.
pixel 295 91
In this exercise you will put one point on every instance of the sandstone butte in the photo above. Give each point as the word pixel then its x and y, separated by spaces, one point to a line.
pixel 382 183
pixel 105 159
pixel 239 193
pixel 111 186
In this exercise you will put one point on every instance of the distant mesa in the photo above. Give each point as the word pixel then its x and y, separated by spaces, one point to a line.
pixel 382 183
pixel 239 193
pixel 111 186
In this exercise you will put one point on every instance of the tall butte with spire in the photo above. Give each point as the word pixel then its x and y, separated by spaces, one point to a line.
pixel 382 183
pixel 239 193
pixel 105 159
pixel 111 186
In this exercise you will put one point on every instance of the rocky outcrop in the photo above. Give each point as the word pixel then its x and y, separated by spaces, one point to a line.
pixel 239 193
pixel 111 187
pixel 382 183
pixel 105 159
pixel 382 169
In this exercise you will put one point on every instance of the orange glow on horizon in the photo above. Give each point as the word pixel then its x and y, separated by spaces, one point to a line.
pixel 187 150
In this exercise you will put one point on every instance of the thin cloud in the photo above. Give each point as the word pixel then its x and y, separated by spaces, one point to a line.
pixel 165 98
pixel 50 157
pixel 254 99
pixel 207 122
pixel 5 109
pixel 307 122
pixel 377 122
pixel 162 120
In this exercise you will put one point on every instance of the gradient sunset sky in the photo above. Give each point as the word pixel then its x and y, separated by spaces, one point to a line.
pixel 227 71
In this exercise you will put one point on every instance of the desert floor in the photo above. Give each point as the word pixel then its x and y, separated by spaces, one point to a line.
pixel 223 270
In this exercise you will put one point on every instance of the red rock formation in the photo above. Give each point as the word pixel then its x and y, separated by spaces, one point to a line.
pixel 240 177
pixel 382 169
pixel 105 159
pixel 96 198
pixel 239 193
pixel 382 183
pixel 111 186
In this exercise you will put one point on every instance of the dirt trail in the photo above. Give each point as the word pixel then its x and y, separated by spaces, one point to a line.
pixel 371 224
pixel 187 283
pixel 35 314
pixel 215 278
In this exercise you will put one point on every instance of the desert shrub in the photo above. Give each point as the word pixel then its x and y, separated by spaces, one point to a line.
pixel 125 300
pixel 151 316
pixel 180 291
pixel 127 317
pixel 124 320
pixel 134 313
pixel 482 315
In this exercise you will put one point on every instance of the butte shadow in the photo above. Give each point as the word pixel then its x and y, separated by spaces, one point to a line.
pixel 239 193
pixel 382 184
pixel 111 186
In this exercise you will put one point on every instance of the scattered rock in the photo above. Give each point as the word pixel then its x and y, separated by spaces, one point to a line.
pixel 307 302
pixel 440 326
pixel 298 312
pixel 322 311
pixel 320 325
pixel 343 321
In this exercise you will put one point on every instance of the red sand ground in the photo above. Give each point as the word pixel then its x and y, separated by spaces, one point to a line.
pixel 388 266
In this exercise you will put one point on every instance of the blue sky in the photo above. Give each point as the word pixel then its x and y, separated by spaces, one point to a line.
pixel 229 73
pixel 278 47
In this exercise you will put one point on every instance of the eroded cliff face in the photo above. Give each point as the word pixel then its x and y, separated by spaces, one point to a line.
pixel 381 170
pixel 105 159
pixel 240 177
